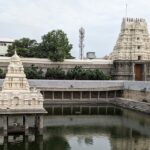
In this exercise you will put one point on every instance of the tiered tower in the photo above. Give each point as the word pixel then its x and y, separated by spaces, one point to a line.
pixel 133 42
pixel 16 93
pixel 15 78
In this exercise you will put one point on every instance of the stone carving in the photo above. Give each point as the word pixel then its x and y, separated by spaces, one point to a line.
pixel 133 42
pixel 16 93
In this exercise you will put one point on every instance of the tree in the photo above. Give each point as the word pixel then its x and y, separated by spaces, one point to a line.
pixel 75 73
pixel 34 73
pixel 78 73
pixel 25 47
pixel 55 45
pixel 100 75
pixel 55 73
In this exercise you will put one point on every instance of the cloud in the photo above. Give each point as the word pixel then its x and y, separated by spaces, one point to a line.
pixel 100 18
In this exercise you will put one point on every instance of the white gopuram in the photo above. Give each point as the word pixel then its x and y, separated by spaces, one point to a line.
pixel 16 93
pixel 133 42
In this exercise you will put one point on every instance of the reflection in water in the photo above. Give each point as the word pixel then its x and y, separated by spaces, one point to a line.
pixel 57 142
pixel 89 140
pixel 115 138
pixel 120 131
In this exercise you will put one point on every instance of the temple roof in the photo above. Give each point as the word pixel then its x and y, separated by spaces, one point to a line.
pixel 15 57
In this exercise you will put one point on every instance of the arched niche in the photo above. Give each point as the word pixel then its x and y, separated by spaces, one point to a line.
pixel 15 101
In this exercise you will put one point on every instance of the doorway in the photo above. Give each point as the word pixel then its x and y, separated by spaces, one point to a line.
pixel 138 70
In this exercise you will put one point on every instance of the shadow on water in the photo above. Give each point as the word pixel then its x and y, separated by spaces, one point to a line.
pixel 83 110
pixel 57 142
pixel 86 128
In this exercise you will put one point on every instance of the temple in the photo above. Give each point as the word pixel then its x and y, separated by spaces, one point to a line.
pixel 133 42
pixel 17 97
pixel 131 53
pixel 16 93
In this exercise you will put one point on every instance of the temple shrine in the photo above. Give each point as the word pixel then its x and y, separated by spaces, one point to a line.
pixel 17 98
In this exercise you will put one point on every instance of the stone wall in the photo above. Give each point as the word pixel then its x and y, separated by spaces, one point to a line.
pixel 118 69
pixel 122 70
pixel 128 94
pixel 137 90
pixel 132 104
pixel 140 96
pixel 87 90
pixel 125 70
pixel 104 65
pixel 74 90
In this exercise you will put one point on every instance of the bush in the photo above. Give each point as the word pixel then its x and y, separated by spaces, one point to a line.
pixel 55 73
pixel 76 73
pixel 34 73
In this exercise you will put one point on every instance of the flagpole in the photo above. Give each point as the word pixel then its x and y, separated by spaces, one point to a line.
pixel 126 10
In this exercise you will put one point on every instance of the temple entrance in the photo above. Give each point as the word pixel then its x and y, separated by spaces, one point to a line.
pixel 138 70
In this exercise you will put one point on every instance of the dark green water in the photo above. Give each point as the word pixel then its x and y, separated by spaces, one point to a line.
pixel 104 129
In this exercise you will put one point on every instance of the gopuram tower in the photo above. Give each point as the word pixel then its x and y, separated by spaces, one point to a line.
pixel 133 42
pixel 131 53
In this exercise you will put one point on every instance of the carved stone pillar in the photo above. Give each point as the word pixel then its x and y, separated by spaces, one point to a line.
pixel 5 125
pixel 133 72
pixel 145 72
pixel 25 124
pixel 39 124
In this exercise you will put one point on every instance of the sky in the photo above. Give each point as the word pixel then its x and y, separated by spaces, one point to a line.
pixel 101 20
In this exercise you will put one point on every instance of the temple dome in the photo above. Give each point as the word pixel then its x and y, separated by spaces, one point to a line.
pixel 15 57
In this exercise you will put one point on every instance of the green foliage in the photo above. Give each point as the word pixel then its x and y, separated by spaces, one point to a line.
pixel 57 142
pixel 2 74
pixel 55 44
pixel 34 73
pixel 56 56
pixel 55 73
pixel 24 47
pixel 76 73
